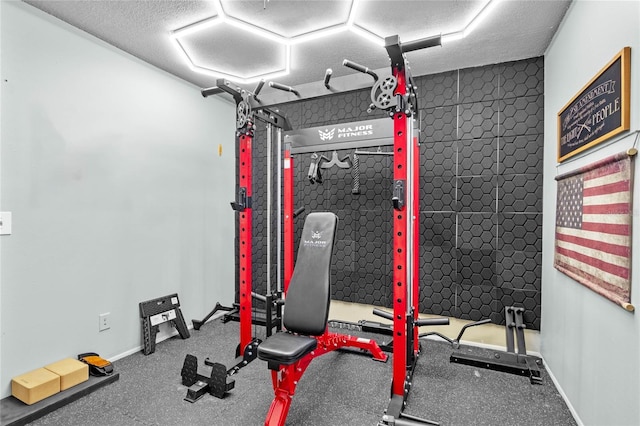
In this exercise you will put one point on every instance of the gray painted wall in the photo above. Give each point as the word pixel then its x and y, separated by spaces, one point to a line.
pixel 591 345
pixel 111 170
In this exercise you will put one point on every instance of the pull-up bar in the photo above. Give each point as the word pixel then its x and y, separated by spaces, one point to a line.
pixel 396 49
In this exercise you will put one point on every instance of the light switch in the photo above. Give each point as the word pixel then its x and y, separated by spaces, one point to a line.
pixel 5 223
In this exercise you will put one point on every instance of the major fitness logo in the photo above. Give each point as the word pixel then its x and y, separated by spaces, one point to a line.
pixel 346 132
pixel 327 135
pixel 316 240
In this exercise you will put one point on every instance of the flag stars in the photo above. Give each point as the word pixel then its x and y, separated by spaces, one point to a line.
pixel 569 213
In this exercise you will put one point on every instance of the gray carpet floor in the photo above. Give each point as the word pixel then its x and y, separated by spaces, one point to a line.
pixel 339 388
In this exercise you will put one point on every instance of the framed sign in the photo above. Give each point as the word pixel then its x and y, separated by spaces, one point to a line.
pixel 599 111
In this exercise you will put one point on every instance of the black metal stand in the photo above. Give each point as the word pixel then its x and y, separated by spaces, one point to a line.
pixel 199 384
pixel 157 311
pixel 216 382
pixel 509 362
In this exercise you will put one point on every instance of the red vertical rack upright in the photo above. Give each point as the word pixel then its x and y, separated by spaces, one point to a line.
pixel 288 217
pixel 244 237
pixel 401 223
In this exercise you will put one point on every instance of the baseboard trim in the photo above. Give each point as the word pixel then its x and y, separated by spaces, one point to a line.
pixel 572 410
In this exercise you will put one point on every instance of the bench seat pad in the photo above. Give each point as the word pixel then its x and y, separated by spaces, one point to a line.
pixel 286 348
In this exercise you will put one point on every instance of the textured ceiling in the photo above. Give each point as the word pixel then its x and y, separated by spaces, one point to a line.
pixel 513 30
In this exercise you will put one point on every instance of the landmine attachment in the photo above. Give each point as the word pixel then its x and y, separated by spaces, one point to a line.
pixel 157 311
pixel 508 362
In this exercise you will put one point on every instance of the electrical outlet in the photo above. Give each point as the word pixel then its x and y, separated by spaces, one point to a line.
pixel 5 223
pixel 104 321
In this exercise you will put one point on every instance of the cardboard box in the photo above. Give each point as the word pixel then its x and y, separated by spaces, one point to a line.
pixel 71 372
pixel 35 385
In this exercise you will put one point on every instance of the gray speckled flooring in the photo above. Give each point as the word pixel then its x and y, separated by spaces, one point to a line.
pixel 339 388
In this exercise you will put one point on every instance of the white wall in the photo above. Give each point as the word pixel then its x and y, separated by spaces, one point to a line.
pixel 111 170
pixel 591 345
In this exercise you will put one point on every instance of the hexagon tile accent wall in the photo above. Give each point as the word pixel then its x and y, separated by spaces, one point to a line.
pixel 481 194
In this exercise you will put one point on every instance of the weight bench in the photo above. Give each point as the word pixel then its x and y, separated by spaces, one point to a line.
pixel 306 311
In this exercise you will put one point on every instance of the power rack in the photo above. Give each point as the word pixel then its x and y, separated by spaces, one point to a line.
pixel 248 112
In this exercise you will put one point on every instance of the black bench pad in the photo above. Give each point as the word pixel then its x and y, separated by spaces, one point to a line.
pixel 286 348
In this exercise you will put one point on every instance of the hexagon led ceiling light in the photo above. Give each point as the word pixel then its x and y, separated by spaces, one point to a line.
pixel 283 43
pixel 221 20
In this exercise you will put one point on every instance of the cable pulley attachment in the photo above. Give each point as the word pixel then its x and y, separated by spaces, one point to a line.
pixel 382 96
pixel 343 163
pixel 243 112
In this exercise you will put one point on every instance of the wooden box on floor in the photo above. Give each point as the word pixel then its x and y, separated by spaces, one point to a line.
pixel 35 385
pixel 71 371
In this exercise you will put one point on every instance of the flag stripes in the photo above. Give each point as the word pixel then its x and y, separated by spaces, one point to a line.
pixel 613 239
pixel 606 228
pixel 613 208
pixel 606 264
pixel 606 190
pixel 602 286
pixel 572 243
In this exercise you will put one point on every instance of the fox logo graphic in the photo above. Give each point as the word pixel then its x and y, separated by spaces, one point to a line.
pixel 327 135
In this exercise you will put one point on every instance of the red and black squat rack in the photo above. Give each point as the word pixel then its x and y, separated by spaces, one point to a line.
pixel 248 111
pixel 400 99
pixel 396 95
pixel 286 377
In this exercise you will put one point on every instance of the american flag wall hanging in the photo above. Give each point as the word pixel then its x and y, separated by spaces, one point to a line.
pixel 593 226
